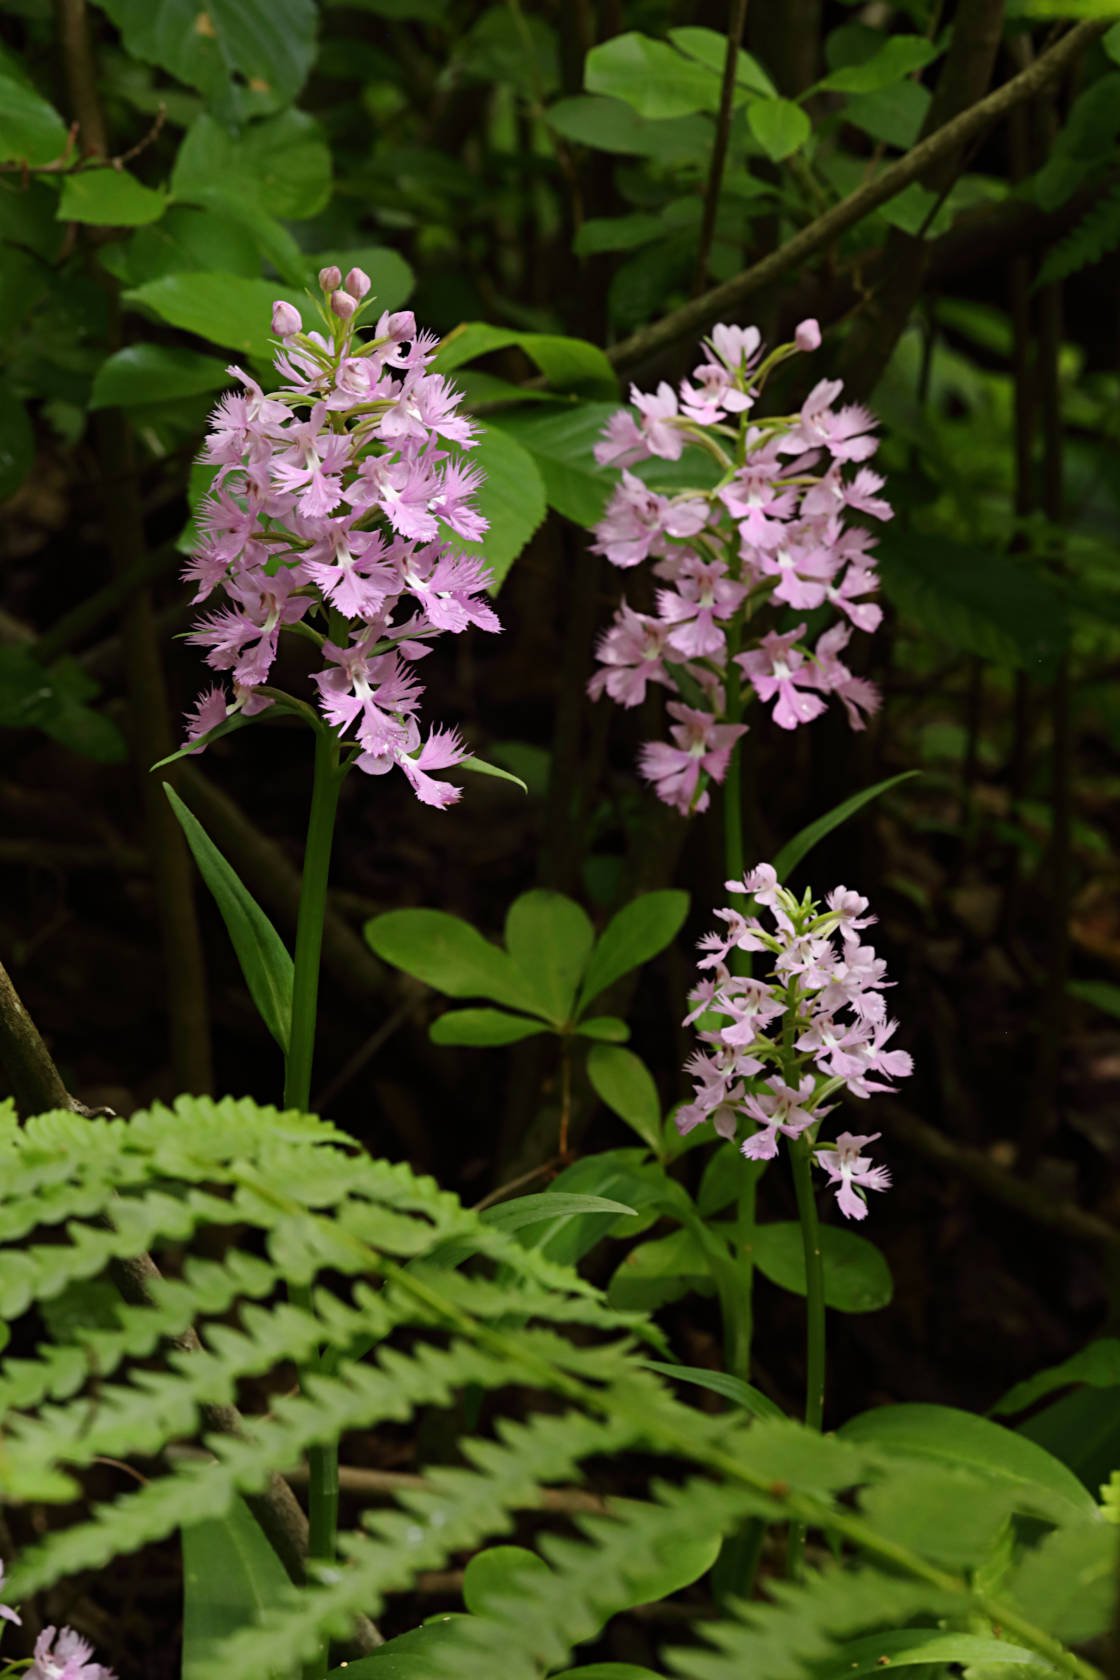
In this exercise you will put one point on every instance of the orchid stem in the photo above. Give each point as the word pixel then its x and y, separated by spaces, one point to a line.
pixel 800 1160
pixel 322 1461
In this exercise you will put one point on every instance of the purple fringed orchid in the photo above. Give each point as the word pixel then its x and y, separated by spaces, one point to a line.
pixel 338 513
pixel 774 1049
pixel 771 530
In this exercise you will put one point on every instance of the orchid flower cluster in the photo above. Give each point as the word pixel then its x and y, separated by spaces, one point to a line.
pixel 332 514
pixel 776 1049
pixel 60 1653
pixel 771 530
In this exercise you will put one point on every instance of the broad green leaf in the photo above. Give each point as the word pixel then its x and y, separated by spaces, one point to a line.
pixel 185 241
pixel 447 953
pixel 561 444
pixel 231 1576
pixel 721 1382
pixel 281 165
pixel 948 1435
pixel 270 44
pixel 857 1279
pixel 569 364
pixel 1102 994
pixel 894 115
pixel 635 934
pixel 1082 1428
pixel 416 1655
pixel 779 126
pixel 616 1174
pixel 226 309
pixel 1067 1584
pixel 905 1647
pixel 684 1562
pixel 1111 43
pixel 608 125
pixel 660 1270
pixel 482 1027
pixel 264 959
pixel 711 49
pixel 1098 1365
pixel 490 1577
pixel 950 1515
pixel 549 1205
pixel 898 57
pixel 802 844
pixel 493 48
pixel 146 373
pixel 616 233
pixel 31 130
pixel 608 1671
pixel 608 1029
pixel 979 600
pixel 549 938
pixel 512 498
pixel 622 1080
pixel 109 198
pixel 652 78
pixel 17 442
pixel 54 699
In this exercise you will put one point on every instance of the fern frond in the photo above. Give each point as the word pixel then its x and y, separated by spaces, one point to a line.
pixel 1096 234
pixel 803 1623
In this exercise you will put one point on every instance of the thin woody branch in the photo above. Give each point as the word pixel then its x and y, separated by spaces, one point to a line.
pixel 723 300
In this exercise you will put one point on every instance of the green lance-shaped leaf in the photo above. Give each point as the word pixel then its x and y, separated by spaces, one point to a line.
pixel 230 1575
pixel 856 1277
pixel 721 1382
pixel 446 952
pixel 626 1085
pixel 634 935
pixel 264 959
pixel 897 58
pixel 791 854
pixel 948 1435
pixel 549 939
pixel 549 1205
pixel 1098 1365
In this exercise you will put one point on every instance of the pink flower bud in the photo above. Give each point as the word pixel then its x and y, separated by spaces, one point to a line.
pixel 807 336
pixel 343 305
pixel 285 319
pixel 330 279
pixel 358 283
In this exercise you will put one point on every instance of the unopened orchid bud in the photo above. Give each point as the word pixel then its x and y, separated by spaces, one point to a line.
pixel 807 335
pixel 357 283
pixel 285 319
pixel 330 279
pixel 343 305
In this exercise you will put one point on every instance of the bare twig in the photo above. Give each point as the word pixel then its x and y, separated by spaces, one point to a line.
pixel 381 1482
pixel 692 317
pixel 980 1169
pixel 68 165
pixel 35 1081
pixel 719 145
